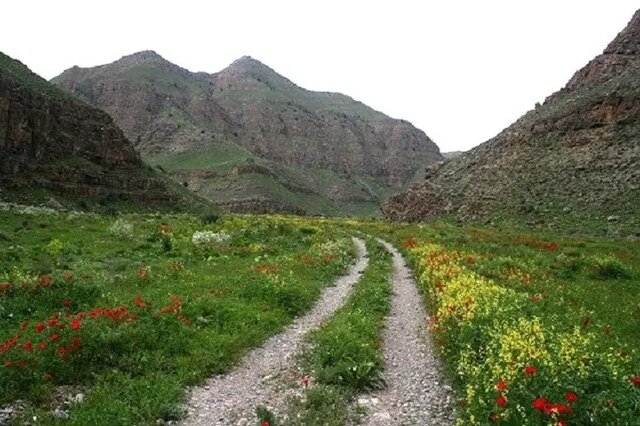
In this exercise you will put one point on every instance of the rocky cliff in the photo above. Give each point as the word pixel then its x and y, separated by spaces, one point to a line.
pixel 54 142
pixel 318 152
pixel 575 157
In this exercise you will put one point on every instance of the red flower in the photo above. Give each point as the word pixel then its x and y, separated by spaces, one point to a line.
pixel 54 337
pixel 561 422
pixel 75 324
pixel 305 381
pixel 501 401
pixel 8 364
pixel 68 302
pixel 571 397
pixel 494 417
pixel 28 346
pixel 535 298
pixel 42 345
pixel 45 280
pixel 530 370
pixel 539 404
pixel 557 408
pixel 635 381
pixel 139 302
pixel 39 327
pixel 501 385
pixel 265 423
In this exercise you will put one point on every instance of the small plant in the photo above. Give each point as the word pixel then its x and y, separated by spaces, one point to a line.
pixel 210 218
pixel 608 267
pixel 121 229
pixel 54 247
pixel 265 416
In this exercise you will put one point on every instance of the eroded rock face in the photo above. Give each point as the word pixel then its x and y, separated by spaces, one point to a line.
pixel 577 153
pixel 169 111
pixel 50 140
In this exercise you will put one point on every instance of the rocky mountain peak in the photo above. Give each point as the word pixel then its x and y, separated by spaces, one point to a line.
pixel 620 55
pixel 144 57
pixel 628 41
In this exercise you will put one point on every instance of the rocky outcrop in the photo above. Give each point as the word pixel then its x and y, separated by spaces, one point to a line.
pixel 50 140
pixel 576 154
pixel 251 113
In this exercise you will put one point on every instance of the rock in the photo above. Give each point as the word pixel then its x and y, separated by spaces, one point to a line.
pixel 613 218
pixel 60 414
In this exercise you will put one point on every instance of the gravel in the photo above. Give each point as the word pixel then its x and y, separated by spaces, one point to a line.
pixel 259 380
pixel 416 392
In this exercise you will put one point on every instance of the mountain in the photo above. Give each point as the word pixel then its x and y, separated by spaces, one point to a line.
pixel 574 159
pixel 251 140
pixel 54 144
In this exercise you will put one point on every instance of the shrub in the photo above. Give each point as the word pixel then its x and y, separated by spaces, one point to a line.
pixel 209 238
pixel 121 229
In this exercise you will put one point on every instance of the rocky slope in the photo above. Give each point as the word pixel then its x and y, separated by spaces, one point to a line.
pixel 251 140
pixel 574 158
pixel 52 142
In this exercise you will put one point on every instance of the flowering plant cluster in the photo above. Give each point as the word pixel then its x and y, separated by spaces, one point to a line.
pixel 514 362
pixel 209 238
pixel 121 229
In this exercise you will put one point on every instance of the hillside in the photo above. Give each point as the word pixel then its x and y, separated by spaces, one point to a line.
pixel 573 160
pixel 251 140
pixel 55 145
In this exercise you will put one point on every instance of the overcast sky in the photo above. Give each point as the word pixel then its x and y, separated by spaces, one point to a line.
pixel 459 70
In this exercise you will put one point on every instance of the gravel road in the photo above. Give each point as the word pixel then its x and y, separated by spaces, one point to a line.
pixel 231 399
pixel 416 392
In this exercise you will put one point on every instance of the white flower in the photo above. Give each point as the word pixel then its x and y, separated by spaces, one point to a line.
pixel 121 229
pixel 207 238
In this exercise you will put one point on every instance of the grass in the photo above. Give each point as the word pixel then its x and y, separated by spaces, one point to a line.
pixel 345 356
pixel 503 300
pixel 135 311
pixel 139 312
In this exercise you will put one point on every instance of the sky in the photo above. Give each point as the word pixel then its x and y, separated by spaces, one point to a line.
pixel 461 70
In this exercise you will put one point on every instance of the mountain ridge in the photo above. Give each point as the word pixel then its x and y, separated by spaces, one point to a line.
pixel 574 158
pixel 245 114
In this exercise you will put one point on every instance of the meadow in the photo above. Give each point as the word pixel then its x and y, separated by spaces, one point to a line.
pixel 535 329
pixel 128 310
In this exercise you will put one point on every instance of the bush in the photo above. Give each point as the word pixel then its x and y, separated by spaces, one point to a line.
pixel 121 229
pixel 609 267
pixel 210 218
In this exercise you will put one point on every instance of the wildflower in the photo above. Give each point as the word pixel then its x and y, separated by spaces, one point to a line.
pixel 501 386
pixel 139 302
pixel 48 377
pixel 45 280
pixel 571 397
pixel 561 422
pixel 494 417
pixel 67 302
pixel 586 322
pixel 535 298
pixel 8 364
pixel 557 408
pixel 68 277
pixel 75 324
pixel 164 229
pixel 635 381
pixel 42 345
pixel 143 272
pixel 539 404
pixel 305 381
pixel 54 337
pixel 501 401
pixel 28 346
pixel 265 423
pixel 530 370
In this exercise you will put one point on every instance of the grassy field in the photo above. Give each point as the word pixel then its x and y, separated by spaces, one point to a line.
pixel 132 309
pixel 534 328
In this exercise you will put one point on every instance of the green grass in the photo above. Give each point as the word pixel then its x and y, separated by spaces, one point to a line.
pixel 198 310
pixel 345 356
